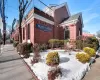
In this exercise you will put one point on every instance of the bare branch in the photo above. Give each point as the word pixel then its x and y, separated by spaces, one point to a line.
pixel 23 2
pixel 28 5
pixel 19 2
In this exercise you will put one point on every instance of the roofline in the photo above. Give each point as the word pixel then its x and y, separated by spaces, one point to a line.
pixel 37 10
pixel 43 14
pixel 39 17
pixel 75 20
pixel 61 5
pixel 82 20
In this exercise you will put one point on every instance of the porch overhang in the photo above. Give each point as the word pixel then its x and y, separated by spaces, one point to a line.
pixel 69 23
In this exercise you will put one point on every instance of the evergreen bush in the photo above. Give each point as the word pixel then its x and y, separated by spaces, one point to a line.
pixel 15 43
pixel 52 58
pixel 90 51
pixel 82 57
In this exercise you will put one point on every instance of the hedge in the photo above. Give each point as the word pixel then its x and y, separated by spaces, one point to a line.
pixel 25 48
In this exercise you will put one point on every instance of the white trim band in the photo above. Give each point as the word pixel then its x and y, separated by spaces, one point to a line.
pixel 37 17
pixel 43 19
pixel 69 22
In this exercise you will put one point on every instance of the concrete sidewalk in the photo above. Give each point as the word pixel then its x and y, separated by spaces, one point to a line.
pixel 94 73
pixel 12 66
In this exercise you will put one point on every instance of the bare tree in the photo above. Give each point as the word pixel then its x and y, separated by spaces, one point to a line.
pixel 22 8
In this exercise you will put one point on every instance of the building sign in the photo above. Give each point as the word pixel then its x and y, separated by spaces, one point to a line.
pixel 43 28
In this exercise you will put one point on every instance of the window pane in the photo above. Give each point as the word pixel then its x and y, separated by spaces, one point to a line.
pixel 23 33
pixel 28 31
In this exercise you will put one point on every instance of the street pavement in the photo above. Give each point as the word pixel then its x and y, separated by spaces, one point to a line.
pixel 12 66
pixel 94 73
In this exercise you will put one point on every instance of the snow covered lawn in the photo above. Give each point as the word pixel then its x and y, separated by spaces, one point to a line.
pixel 71 68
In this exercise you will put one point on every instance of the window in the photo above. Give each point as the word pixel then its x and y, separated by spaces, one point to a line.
pixel 28 31
pixel 66 33
pixel 23 33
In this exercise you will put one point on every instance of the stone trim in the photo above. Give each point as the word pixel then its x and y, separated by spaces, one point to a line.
pixel 69 22
pixel 43 14
pixel 37 17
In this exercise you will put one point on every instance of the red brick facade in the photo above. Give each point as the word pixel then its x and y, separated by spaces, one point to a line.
pixel 40 36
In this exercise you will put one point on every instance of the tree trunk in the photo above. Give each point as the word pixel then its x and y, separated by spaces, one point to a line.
pixel 20 29
pixel 20 34
pixel 22 7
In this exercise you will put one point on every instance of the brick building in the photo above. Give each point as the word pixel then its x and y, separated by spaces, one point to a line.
pixel 40 26
pixel 86 35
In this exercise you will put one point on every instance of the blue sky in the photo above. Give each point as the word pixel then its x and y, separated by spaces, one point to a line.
pixel 90 11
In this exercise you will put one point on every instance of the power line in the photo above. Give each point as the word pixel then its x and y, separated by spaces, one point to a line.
pixel 28 5
pixel 44 4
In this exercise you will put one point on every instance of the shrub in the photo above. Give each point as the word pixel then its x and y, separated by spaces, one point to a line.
pixel 52 58
pixel 92 42
pixel 54 72
pixel 36 47
pixel 66 41
pixel 36 57
pixel 57 43
pixel 29 47
pixel 15 43
pixel 11 40
pixel 90 51
pixel 61 42
pixel 86 49
pixel 19 48
pixel 79 44
pixel 43 47
pixel 82 57
pixel 54 43
pixel 24 49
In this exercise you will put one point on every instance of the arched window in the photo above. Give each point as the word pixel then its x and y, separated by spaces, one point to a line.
pixel 66 33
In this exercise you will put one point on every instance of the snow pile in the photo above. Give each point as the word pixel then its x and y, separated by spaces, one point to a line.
pixel 71 68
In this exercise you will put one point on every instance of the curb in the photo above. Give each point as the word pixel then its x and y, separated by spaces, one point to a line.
pixel 29 69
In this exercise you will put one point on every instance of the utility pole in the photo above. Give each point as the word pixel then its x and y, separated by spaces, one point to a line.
pixel 0 5
pixel 3 20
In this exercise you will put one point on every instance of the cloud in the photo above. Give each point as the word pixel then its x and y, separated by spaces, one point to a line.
pixel 90 17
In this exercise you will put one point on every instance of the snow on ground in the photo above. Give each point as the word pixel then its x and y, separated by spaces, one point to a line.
pixel 71 68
